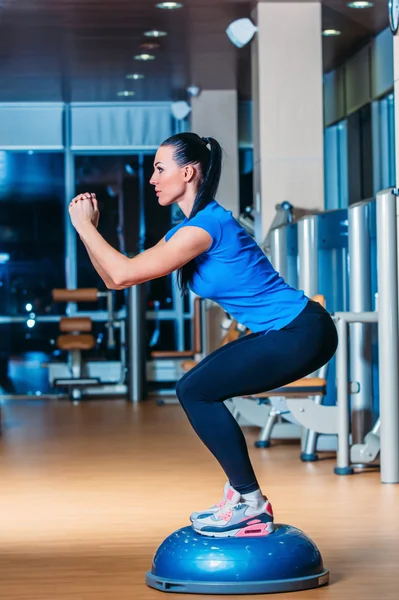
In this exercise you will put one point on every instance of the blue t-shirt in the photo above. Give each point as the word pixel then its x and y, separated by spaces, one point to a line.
pixel 235 273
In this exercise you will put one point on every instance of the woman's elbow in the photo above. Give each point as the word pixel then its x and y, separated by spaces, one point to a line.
pixel 128 280
pixel 121 283
pixel 113 286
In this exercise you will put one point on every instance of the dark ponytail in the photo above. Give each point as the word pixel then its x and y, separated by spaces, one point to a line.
pixel 189 148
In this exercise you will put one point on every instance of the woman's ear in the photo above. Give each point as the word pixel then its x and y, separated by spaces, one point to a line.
pixel 189 173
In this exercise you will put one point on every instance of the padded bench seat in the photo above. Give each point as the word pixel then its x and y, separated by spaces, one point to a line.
pixel 76 342
pixel 172 354
pixel 307 386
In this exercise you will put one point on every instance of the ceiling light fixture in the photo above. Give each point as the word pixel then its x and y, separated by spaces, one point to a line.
pixel 360 4
pixel 331 32
pixel 135 76
pixel 169 5
pixel 193 90
pixel 144 57
pixel 126 94
pixel 155 33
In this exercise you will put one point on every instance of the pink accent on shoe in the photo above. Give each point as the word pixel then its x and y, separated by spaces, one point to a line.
pixel 230 494
pixel 269 509
pixel 254 521
pixel 226 516
pixel 221 503
pixel 255 531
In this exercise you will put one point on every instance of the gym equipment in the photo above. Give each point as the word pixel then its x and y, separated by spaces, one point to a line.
pixel 284 404
pixel 299 403
pixel 77 375
pixel 285 213
pixel 168 365
pixel 366 452
pixel 285 561
pixel 362 266
pixel 75 339
pixel 361 448
pixel 385 434
pixel 305 252
pixel 283 251
pixel 246 219
pixel 136 368
pixel 343 456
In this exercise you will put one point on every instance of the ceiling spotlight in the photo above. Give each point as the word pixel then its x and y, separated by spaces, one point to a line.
pixel 169 5
pixel 149 46
pixel 240 32
pixel 126 94
pixel 135 76
pixel 144 57
pixel 331 32
pixel 155 33
pixel 193 90
pixel 360 4
pixel 180 110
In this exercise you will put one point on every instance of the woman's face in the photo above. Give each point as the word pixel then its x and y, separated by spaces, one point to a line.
pixel 169 179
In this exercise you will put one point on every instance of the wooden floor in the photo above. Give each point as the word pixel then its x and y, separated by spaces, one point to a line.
pixel 88 493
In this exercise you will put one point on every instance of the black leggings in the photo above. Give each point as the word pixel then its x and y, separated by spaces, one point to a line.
pixel 254 363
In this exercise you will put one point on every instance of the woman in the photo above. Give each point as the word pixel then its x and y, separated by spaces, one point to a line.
pixel 291 337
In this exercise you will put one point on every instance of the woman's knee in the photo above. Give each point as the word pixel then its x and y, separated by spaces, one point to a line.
pixel 192 389
pixel 182 389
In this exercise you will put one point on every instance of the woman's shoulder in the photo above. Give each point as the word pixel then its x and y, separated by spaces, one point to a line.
pixel 214 210
pixel 209 218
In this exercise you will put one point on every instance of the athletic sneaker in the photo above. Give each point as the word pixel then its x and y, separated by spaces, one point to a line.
pixel 213 508
pixel 236 518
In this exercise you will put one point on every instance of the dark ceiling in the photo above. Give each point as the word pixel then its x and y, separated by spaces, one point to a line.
pixel 82 50
pixel 356 26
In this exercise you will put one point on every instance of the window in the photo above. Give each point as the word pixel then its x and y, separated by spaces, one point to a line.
pixel 360 155
pixel 246 166
pixel 32 247
pixel 32 241
pixel 336 166
pixel 115 181
pixel 384 171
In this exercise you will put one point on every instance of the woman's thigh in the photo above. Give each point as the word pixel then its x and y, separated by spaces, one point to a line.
pixel 262 362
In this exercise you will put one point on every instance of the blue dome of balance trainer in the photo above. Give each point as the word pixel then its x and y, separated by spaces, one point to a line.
pixel 286 560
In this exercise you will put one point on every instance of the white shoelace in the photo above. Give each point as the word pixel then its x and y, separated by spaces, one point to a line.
pixel 227 508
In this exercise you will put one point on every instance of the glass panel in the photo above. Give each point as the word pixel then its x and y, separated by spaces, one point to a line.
pixel 31 230
pixel 335 166
pixel 115 181
pixel 246 165
pixel 27 373
pixel 360 156
pixel 161 335
pixel 188 334
pixel 158 220
pixel 187 304
pixel 331 179
pixel 31 260
pixel 386 137
pixel 342 132
pixel 384 143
